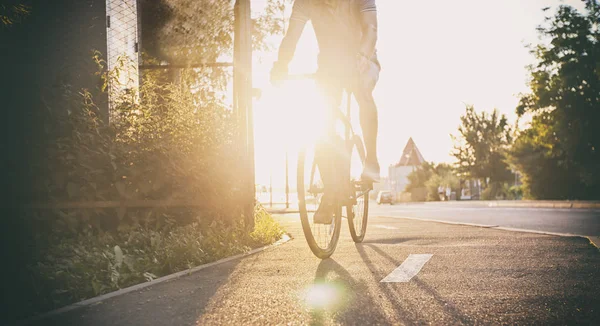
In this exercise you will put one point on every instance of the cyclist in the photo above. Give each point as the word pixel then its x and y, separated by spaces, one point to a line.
pixel 346 32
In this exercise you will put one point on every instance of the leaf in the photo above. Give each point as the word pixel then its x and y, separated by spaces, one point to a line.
pixel 149 276
pixel 118 256
pixel 96 286
pixel 114 276
pixel 129 261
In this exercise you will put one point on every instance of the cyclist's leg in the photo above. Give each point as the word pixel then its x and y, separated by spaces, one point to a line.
pixel 332 92
pixel 326 151
pixel 369 123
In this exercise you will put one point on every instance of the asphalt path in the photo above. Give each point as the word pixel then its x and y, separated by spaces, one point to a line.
pixel 559 220
pixel 432 273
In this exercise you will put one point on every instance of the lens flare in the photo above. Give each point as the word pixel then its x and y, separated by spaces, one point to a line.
pixel 324 296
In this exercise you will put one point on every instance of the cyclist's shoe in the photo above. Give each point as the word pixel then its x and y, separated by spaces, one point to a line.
pixel 371 171
pixel 324 214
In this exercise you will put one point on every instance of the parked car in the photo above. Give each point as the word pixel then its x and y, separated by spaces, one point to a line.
pixel 385 197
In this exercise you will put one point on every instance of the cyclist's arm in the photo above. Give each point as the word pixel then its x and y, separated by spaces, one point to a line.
pixel 369 28
pixel 298 20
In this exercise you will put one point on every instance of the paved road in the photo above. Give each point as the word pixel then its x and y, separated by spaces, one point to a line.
pixel 571 221
pixel 471 275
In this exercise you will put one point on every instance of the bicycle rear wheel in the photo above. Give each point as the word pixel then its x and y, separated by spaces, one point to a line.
pixel 358 209
pixel 322 238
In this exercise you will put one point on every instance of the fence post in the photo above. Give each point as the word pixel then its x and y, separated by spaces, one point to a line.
pixel 242 53
pixel 287 183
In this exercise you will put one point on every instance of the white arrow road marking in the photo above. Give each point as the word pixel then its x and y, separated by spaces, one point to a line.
pixel 385 227
pixel 409 268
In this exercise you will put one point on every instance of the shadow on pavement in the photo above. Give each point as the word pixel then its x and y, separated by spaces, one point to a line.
pixel 402 314
pixel 336 293
pixel 175 302
pixel 389 240
pixel 447 305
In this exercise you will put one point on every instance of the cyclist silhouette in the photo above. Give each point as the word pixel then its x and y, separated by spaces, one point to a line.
pixel 346 32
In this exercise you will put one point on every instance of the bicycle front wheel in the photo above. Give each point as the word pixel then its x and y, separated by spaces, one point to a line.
pixel 358 209
pixel 322 238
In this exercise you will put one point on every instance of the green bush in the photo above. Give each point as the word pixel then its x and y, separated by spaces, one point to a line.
pixel 498 190
pixel 170 144
pixel 513 192
pixel 488 194
pixel 436 180
pixel 73 267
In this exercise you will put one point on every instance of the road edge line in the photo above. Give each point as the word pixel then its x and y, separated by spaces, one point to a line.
pixel 442 221
pixel 88 302
pixel 595 241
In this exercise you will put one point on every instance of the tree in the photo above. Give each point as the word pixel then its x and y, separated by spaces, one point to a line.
pixel 559 154
pixel 428 177
pixel 481 145
pixel 184 31
pixel 418 177
pixel 200 31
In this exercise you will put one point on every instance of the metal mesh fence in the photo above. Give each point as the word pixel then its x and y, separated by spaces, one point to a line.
pixel 122 37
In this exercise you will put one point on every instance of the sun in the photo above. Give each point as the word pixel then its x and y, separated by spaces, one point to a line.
pixel 292 115
pixel 286 118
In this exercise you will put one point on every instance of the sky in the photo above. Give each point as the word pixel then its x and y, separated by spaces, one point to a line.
pixel 436 57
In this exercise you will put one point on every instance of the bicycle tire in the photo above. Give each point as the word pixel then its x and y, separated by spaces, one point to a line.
pixel 358 227
pixel 317 250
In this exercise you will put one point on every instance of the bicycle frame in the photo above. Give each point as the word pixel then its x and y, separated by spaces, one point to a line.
pixel 333 157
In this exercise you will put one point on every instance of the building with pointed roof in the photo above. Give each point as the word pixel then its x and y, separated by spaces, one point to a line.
pixel 398 173
pixel 411 156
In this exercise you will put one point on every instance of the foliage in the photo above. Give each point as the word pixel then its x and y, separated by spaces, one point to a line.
pixel 513 192
pixel 430 177
pixel 266 230
pixel 13 11
pixel 173 142
pixel 445 177
pixel 481 145
pixel 201 31
pixel 419 177
pixel 558 154
pixel 72 266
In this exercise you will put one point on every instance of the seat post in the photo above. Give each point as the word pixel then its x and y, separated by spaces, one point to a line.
pixel 348 106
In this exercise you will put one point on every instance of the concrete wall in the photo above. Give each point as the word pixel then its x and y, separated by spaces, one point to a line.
pixel 52 49
pixel 44 57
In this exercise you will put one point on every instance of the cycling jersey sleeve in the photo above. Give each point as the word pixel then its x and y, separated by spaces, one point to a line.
pixel 367 5
pixel 301 11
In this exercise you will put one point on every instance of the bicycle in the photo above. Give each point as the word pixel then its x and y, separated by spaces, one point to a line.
pixel 351 192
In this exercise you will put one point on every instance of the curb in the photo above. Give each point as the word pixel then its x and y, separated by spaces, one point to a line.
pixel 546 204
pixel 282 211
pixel 594 241
pixel 285 238
pixel 517 203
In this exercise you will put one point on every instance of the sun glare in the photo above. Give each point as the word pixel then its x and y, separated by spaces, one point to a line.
pixel 322 296
pixel 286 118
pixel 295 111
